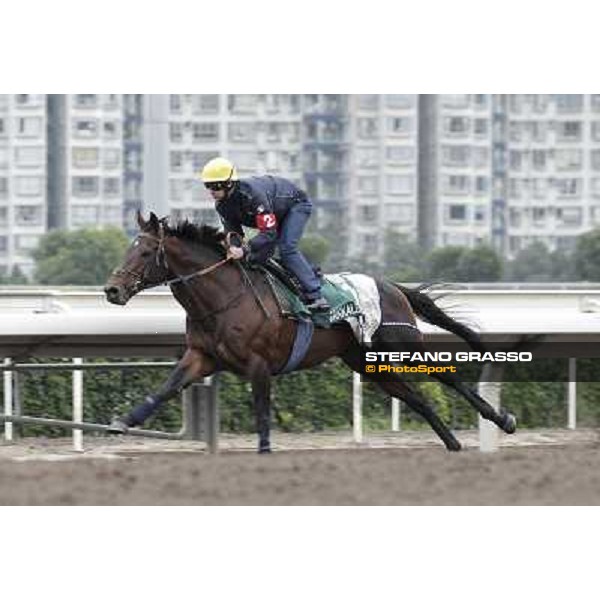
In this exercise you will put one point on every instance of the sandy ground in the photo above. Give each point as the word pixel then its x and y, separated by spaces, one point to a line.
pixel 555 467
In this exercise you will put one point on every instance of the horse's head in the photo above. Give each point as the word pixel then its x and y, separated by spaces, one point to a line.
pixel 144 264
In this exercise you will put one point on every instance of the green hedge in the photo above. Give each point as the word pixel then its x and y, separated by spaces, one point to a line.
pixel 313 400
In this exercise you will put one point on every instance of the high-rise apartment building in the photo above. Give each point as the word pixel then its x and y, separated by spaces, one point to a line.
pixel 457 169
pixel 23 169
pixel 85 174
pixel 553 170
pixel 382 172
pixel 455 177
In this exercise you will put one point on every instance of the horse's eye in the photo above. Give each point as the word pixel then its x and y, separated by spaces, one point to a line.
pixel 146 254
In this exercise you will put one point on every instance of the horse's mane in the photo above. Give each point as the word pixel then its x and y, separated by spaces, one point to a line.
pixel 202 234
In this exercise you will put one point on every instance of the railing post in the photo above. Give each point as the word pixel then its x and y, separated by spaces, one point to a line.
pixel 489 388
pixel 572 394
pixel 357 401
pixel 78 405
pixel 395 414
pixel 8 401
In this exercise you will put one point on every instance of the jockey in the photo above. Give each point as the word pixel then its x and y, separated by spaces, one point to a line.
pixel 274 206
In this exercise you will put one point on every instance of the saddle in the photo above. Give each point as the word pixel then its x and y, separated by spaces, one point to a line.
pixel 290 298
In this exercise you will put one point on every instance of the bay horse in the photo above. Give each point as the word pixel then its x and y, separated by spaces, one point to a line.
pixel 234 324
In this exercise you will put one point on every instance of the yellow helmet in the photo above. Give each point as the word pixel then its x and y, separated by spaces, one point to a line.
pixel 219 170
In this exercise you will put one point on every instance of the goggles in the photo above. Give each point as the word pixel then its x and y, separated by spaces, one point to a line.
pixel 217 185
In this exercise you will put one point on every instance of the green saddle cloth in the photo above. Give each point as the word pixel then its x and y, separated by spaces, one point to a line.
pixel 343 304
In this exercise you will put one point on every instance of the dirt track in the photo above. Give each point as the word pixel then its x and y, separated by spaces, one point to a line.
pixel 550 468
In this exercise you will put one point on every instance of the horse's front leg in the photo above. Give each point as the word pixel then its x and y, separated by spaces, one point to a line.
pixel 261 393
pixel 192 366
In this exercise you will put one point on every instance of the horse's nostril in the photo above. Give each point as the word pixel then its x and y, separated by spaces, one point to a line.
pixel 111 292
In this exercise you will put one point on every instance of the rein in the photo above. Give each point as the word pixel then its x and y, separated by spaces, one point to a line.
pixel 161 257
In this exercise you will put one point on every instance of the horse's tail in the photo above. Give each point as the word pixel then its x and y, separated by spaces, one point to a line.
pixel 428 310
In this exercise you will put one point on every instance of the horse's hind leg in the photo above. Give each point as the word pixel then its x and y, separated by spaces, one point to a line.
pixel 503 419
pixel 400 389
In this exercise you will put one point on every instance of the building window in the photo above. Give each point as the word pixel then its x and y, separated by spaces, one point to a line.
pixel 87 128
pixel 175 103
pixel 28 186
pixel 112 186
pixel 399 125
pixel 29 126
pixel 368 186
pixel 456 212
pixel 455 184
pixel 111 129
pixel 399 184
pixel 368 213
pixel 175 132
pixel 28 100
pixel 29 156
pixel 479 213
pixel 85 187
pixel 481 157
pixel 28 215
pixel 455 100
pixel 176 160
pixel 569 131
pixel 205 132
pixel 86 100
pixel 399 213
pixel 595 102
pixel 399 154
pixel 568 159
pixel 480 101
pixel 398 100
pixel 242 132
pixel 112 158
pixel 368 102
pixel 480 127
pixel 595 125
pixel 481 185
pixel 3 187
pixel 538 159
pixel 595 160
pixel 367 128
pixel 456 156
pixel 176 189
pixel 26 243
pixel 242 104
pixel 84 216
pixel 571 216
pixel 3 158
pixel 456 126
pixel 85 158
pixel 3 244
pixel 569 103
pixel 568 187
pixel 205 104
pixel 367 158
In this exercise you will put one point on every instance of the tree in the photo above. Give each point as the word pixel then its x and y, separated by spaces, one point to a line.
pixel 403 259
pixel 479 264
pixel 442 263
pixel 587 253
pixel 17 277
pixel 532 263
pixel 83 257
pixel 315 247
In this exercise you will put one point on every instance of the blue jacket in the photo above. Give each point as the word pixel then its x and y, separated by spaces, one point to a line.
pixel 261 203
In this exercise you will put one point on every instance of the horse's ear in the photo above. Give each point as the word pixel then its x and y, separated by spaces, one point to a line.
pixel 140 220
pixel 153 222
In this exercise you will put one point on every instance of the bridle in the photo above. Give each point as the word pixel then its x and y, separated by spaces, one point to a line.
pixel 161 261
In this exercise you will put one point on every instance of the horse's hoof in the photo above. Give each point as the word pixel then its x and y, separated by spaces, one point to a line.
pixel 117 427
pixel 266 450
pixel 509 423
pixel 454 446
